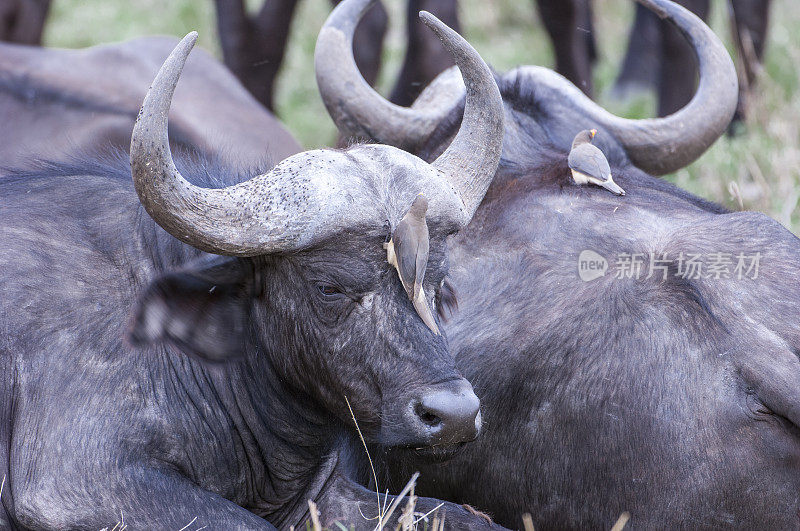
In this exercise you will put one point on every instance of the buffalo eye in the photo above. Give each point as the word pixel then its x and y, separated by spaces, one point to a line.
pixel 329 292
pixel 446 300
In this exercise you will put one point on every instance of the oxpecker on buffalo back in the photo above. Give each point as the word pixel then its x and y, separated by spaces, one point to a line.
pixel 589 165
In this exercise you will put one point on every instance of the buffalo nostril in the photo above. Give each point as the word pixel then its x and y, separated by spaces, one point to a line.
pixel 428 417
pixel 450 414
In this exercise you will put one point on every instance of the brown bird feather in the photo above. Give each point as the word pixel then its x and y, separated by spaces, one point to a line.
pixel 408 251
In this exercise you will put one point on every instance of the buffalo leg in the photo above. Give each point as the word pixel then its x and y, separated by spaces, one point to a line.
pixel 142 498
pixel 640 68
pixel 676 85
pixel 368 41
pixel 425 56
pixel 586 29
pixel 253 46
pixel 22 21
pixel 568 22
pixel 749 27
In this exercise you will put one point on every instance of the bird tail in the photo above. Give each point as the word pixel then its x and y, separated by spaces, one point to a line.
pixel 424 311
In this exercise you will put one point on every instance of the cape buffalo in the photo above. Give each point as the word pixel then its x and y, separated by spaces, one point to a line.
pixel 54 102
pixel 658 56
pixel 253 45
pixel 667 389
pixel 23 21
pixel 569 25
pixel 286 272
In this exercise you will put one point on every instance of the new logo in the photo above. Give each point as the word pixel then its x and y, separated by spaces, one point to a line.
pixel 591 265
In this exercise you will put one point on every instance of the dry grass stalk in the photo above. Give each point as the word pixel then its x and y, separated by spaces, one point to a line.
pixel 369 457
pixel 733 188
pixel 119 526
pixel 425 516
pixel 312 508
pixel 527 522
pixel 386 515
pixel 622 521
pixel 406 520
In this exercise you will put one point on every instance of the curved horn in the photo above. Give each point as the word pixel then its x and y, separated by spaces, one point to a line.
pixel 255 217
pixel 354 106
pixel 663 145
pixel 304 199
pixel 656 145
pixel 472 157
pixel 470 161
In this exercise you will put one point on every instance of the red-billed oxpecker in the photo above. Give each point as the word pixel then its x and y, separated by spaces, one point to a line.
pixel 407 251
pixel 589 165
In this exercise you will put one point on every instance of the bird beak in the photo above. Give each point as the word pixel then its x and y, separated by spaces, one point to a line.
pixel 593 132
pixel 612 187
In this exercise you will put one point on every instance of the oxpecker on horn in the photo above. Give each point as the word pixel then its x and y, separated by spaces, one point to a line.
pixel 407 251
pixel 588 164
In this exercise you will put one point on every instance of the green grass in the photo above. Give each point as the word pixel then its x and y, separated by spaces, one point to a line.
pixel 763 162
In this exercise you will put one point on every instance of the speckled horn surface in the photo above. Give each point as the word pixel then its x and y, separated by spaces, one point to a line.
pixel 223 221
pixel 664 145
pixel 356 108
pixel 282 210
pixel 472 157
pixel 306 199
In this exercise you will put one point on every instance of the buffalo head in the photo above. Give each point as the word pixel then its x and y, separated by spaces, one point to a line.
pixel 302 289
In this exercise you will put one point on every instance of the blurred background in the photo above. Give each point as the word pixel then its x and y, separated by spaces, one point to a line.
pixel 756 169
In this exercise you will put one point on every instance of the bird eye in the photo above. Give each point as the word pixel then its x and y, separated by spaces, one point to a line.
pixel 329 291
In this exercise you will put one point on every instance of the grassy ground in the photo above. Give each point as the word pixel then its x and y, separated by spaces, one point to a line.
pixel 763 162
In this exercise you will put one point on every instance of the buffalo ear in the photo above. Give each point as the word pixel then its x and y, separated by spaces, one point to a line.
pixel 203 309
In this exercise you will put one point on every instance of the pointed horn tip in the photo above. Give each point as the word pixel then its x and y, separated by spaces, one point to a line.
pixel 434 23
pixel 169 73
pixel 189 40
pixel 462 51
pixel 183 48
